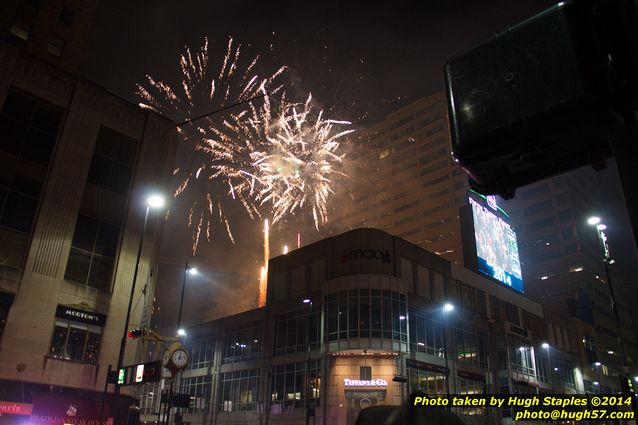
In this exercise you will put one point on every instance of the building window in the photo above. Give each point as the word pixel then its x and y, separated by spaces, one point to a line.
pixel 29 130
pixel 365 373
pixel 201 353
pixel 288 385
pixel 426 378
pixel 6 300
pixel 56 46
pixel 113 161
pixel 243 343
pixel 198 388
pixel 76 335
pixel 29 127
pixel 297 331
pixel 502 310
pixel 469 344
pixel 365 313
pixel 66 16
pixel 18 32
pixel 426 333
pixel 238 390
pixel 97 230
pixel 522 357
pixel 92 253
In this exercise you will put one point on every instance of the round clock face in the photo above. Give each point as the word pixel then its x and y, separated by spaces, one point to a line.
pixel 166 357
pixel 180 358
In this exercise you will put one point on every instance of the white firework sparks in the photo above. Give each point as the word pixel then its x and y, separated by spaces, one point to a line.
pixel 293 154
pixel 217 169
pixel 301 156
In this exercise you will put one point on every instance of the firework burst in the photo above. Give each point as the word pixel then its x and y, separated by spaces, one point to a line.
pixel 274 156
pixel 293 151
pixel 218 169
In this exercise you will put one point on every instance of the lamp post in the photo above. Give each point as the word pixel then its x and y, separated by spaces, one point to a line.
pixel 447 308
pixel 155 201
pixel 549 366
pixel 188 270
pixel 308 301
pixel 607 261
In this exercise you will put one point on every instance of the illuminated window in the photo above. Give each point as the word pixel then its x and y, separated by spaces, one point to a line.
pixel 238 390
pixel 19 32
pixel 77 340
pixel 56 46
pixel 384 153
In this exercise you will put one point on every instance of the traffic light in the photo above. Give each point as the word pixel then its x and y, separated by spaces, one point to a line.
pixel 140 373
pixel 136 333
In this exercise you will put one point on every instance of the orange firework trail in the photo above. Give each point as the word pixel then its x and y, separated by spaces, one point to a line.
pixel 263 276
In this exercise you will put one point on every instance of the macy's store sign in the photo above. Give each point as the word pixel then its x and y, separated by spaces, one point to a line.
pixel 365 383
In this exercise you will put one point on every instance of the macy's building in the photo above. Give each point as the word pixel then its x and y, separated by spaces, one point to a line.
pixel 359 320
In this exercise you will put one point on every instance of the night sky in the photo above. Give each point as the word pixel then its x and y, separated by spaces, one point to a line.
pixel 361 61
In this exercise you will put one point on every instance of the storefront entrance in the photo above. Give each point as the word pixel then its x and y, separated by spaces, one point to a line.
pixel 356 400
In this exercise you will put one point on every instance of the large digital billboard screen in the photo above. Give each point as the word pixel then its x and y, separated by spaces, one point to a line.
pixel 496 247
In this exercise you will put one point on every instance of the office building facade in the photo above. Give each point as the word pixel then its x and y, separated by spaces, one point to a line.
pixel 76 166
pixel 358 320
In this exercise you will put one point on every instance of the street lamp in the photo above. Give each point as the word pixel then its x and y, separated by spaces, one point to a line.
pixel 308 392
pixel 447 308
pixel 607 261
pixel 188 270
pixel 597 365
pixel 549 366
pixel 155 201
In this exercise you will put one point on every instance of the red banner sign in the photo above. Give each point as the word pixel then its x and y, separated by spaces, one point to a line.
pixel 11 408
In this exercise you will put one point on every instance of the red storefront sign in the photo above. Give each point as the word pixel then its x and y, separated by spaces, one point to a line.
pixel 58 409
pixel 11 408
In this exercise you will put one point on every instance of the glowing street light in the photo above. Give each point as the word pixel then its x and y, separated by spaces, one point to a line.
pixel 154 201
pixel 607 261
pixel 188 270
pixel 447 308
pixel 592 221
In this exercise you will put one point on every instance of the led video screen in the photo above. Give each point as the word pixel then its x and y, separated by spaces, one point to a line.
pixel 496 247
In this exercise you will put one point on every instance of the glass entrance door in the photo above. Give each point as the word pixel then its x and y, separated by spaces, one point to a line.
pixel 357 400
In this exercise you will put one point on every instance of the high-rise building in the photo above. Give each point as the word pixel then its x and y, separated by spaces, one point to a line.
pixel 563 263
pixel 76 166
pixel 404 181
